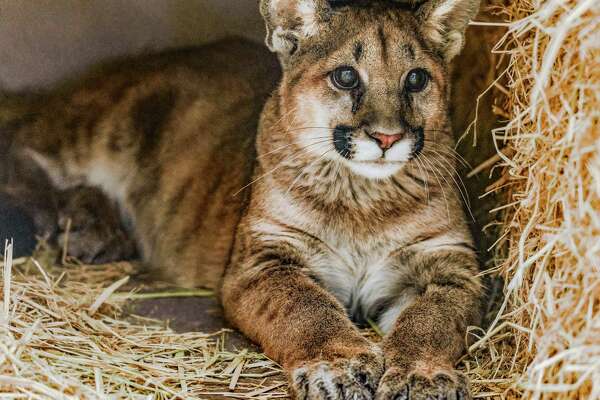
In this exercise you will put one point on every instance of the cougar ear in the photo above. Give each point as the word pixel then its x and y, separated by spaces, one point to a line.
pixel 288 22
pixel 444 23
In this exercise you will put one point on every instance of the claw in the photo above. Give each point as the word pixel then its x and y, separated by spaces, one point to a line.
pixel 344 379
pixel 404 393
pixel 449 385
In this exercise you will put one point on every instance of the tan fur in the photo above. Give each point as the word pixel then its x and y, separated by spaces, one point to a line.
pixel 150 132
pixel 316 236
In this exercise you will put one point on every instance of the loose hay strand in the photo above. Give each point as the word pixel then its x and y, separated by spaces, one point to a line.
pixel 6 274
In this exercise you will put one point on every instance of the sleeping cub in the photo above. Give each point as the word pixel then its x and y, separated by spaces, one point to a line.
pixel 341 209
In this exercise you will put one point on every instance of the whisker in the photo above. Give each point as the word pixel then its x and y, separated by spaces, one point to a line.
pixel 293 110
pixel 303 169
pixel 450 151
pixel 296 156
pixel 403 189
pixel 319 140
pixel 449 162
pixel 435 174
pixel 465 195
pixel 426 181
pixel 308 127
pixel 279 165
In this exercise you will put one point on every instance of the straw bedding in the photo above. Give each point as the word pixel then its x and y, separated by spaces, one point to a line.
pixel 63 335
pixel 63 332
pixel 549 246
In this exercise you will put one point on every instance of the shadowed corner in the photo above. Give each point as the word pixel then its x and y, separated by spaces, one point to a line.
pixel 14 224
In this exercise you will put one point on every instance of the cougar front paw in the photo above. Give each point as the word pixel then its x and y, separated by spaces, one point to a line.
pixel 450 385
pixel 351 379
pixel 90 229
pixel 95 245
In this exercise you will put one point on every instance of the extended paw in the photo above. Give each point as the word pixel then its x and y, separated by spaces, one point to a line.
pixel 450 385
pixel 352 379
pixel 94 245
pixel 90 230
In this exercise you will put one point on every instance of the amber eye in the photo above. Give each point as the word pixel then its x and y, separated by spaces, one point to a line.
pixel 345 78
pixel 416 80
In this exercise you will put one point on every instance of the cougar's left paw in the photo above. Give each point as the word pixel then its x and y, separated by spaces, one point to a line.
pixel 450 385
pixel 93 239
pixel 95 245
pixel 90 228
pixel 342 379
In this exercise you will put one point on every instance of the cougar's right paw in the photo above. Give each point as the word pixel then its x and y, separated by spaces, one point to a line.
pixel 342 379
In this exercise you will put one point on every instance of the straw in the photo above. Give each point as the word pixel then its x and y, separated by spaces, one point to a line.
pixel 545 342
pixel 72 340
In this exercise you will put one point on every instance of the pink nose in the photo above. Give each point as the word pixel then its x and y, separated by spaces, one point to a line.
pixel 386 141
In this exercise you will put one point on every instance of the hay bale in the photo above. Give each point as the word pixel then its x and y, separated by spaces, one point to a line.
pixel 545 342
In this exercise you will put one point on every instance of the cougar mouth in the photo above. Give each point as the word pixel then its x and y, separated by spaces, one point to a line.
pixel 343 141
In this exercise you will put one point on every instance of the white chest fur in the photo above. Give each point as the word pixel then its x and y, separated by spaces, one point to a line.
pixel 361 274
pixel 364 278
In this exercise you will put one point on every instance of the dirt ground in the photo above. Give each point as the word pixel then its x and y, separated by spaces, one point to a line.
pixel 192 314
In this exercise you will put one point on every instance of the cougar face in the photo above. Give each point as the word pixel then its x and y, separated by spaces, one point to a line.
pixel 365 93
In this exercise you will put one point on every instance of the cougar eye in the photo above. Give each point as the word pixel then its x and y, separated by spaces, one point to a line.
pixel 345 78
pixel 416 80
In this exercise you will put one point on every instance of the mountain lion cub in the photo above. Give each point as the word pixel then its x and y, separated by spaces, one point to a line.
pixel 341 208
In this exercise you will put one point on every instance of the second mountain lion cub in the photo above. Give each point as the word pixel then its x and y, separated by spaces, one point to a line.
pixel 341 209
